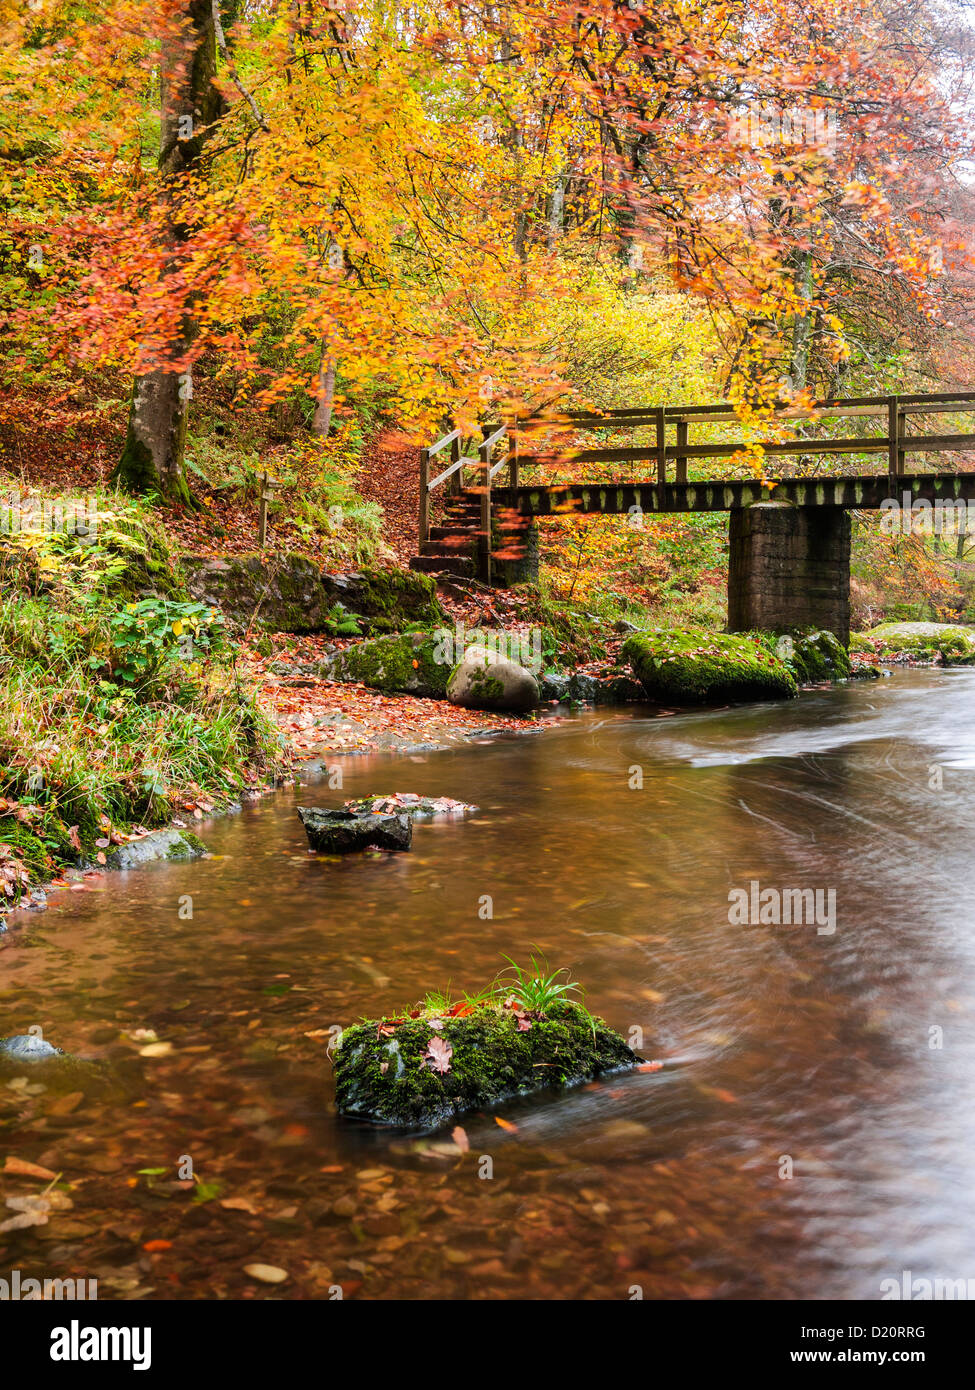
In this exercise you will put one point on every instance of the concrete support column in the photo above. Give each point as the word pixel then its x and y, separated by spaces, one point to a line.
pixel 789 567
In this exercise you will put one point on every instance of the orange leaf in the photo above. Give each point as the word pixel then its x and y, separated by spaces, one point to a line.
pixel 506 1125
pixel 154 1246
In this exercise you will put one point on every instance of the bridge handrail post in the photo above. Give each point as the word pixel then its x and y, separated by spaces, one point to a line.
pixel 895 435
pixel 484 539
pixel 455 481
pixel 424 495
pixel 660 419
pixel 681 459
pixel 513 468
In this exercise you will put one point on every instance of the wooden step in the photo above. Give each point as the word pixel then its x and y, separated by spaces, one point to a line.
pixel 460 565
pixel 438 533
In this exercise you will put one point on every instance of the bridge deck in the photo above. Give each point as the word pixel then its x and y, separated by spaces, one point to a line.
pixel 868 492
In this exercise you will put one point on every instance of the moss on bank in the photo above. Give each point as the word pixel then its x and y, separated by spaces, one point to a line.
pixel 118 697
pixel 383 1072
pixel 691 666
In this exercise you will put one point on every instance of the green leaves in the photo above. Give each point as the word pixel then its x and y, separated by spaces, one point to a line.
pixel 144 633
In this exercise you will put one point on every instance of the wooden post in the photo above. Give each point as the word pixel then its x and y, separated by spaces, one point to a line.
pixel 455 482
pixel 262 513
pixel 894 453
pixel 513 469
pixel 484 547
pixel 660 417
pixel 424 495
pixel 681 443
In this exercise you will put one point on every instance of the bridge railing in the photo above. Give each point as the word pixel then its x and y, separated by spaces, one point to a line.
pixel 486 469
pixel 896 442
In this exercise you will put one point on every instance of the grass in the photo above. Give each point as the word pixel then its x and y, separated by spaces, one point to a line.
pixel 119 701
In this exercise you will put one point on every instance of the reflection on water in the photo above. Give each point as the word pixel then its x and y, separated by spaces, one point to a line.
pixel 782 1047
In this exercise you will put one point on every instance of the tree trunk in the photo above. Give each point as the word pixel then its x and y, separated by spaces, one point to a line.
pixel 152 459
pixel 326 394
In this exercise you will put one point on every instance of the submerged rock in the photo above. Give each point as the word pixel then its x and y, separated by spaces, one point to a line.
pixel 486 680
pixel 25 1047
pixel 948 642
pixel 344 832
pixel 421 1073
pixel 691 666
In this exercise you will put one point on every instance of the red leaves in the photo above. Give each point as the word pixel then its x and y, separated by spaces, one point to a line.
pixel 438 1055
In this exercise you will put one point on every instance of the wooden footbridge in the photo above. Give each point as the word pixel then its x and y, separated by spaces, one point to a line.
pixel 494 492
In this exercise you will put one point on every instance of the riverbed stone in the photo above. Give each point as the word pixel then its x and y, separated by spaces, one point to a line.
pixel 158 844
pixel 344 832
pixel 441 1069
pixel 486 680
pixel 26 1047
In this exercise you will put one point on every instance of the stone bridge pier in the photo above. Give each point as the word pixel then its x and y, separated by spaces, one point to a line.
pixel 789 566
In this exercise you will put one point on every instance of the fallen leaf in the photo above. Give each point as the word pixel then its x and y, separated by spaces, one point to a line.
pixel 506 1125
pixel 459 1136
pixel 22 1168
pixel 154 1247
pixel 438 1055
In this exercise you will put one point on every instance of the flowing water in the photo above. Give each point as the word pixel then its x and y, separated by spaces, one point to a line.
pixel 843 1057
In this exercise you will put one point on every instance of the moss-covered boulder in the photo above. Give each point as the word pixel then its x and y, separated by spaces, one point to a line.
pixel 691 666
pixel 415 663
pixel 392 599
pixel 292 593
pixel 421 1072
pixel 947 642
pixel 812 656
pixel 486 680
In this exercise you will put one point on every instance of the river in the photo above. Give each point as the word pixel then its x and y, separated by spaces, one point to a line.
pixel 809 1135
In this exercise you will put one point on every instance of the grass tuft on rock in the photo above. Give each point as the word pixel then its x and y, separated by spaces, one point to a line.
pixel 441 1059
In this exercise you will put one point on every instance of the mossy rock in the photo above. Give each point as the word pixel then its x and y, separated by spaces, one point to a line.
pixel 383 1072
pixel 860 642
pixel 691 666
pixel 412 664
pixel 394 599
pixel 291 593
pixel 953 644
pixel 812 655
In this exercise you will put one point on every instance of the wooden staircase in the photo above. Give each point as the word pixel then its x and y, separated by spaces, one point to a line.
pixel 453 544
